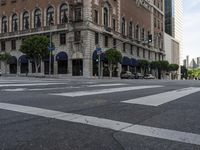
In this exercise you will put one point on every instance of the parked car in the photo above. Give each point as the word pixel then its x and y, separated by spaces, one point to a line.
pixel 126 75
pixel 149 76
pixel 138 76
pixel 0 72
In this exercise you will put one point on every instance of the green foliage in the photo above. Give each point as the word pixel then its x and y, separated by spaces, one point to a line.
pixel 155 64
pixel 164 65
pixel 4 57
pixel 143 63
pixel 35 47
pixel 113 56
pixel 173 67
pixel 194 73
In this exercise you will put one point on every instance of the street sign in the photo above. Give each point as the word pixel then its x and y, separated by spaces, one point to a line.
pixel 99 50
pixel 51 48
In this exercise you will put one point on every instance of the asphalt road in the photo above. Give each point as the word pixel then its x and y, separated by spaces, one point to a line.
pixel 92 114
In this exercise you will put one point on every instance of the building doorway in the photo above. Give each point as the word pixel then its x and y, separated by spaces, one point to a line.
pixel 77 67
pixel 12 61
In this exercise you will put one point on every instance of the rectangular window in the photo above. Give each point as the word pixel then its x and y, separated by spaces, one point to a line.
pixel 3 45
pixel 96 16
pixel 13 44
pixel 138 51
pixel 96 38
pixel 131 49
pixel 106 41
pixel 78 14
pixel 114 25
pixel 62 38
pixel 77 36
pixel 149 55
pixel 124 47
pixel 155 56
pixel 114 43
pixel 143 53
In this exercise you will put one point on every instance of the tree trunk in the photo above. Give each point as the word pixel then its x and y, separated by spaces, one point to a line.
pixel 110 70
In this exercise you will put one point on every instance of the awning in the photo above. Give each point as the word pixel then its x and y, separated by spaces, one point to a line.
pixel 23 59
pixel 134 62
pixel 126 61
pixel 62 56
pixel 12 60
pixel 95 56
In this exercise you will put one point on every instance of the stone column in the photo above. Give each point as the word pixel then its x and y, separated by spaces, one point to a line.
pixel 69 66
pixel 87 71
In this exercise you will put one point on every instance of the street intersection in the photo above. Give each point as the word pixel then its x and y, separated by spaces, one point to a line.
pixel 105 114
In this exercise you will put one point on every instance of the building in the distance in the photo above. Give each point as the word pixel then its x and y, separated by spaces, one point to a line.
pixel 173 30
pixel 79 26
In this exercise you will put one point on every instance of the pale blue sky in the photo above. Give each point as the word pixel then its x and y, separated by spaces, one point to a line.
pixel 191 28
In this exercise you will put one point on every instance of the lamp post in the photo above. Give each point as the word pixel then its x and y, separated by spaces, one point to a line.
pixel 51 22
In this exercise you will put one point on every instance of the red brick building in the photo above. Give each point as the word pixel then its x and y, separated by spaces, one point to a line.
pixel 78 27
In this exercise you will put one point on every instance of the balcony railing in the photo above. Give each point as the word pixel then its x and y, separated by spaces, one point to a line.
pixel 34 30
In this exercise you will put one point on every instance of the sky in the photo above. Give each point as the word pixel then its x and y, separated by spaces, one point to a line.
pixel 191 28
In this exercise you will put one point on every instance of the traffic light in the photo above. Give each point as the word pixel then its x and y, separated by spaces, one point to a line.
pixel 150 38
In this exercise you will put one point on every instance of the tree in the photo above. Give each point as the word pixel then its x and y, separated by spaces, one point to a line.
pixel 4 58
pixel 155 65
pixel 144 64
pixel 184 72
pixel 113 56
pixel 172 68
pixel 36 48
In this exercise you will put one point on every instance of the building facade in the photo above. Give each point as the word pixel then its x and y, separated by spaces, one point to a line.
pixel 174 27
pixel 77 28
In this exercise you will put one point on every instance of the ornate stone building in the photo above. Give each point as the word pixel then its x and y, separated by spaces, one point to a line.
pixel 78 27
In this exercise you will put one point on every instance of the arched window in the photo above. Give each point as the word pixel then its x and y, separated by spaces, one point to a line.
pixel 123 26
pixel 64 13
pixel 4 25
pixel 106 17
pixel 131 29
pixel 37 18
pixel 50 16
pixel 25 20
pixel 14 23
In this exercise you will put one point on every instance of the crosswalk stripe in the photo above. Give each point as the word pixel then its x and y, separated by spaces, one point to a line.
pixel 162 98
pixel 104 91
pixel 28 84
pixel 160 133
pixel 105 85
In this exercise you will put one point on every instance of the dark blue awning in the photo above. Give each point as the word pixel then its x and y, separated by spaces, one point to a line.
pixel 12 60
pixel 62 56
pixel 126 61
pixel 134 62
pixel 23 59
pixel 95 56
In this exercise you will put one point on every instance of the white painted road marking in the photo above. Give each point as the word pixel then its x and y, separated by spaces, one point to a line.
pixel 28 84
pixel 166 134
pixel 160 133
pixel 38 89
pixel 105 85
pixel 162 98
pixel 104 91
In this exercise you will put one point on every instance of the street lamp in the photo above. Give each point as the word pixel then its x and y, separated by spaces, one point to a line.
pixel 51 22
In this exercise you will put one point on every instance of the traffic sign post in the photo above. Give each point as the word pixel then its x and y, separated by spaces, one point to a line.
pixel 99 51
